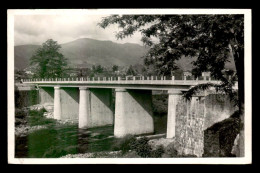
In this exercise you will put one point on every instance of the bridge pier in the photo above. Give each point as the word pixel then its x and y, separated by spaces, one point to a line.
pixel 57 104
pixel 84 107
pixel 95 107
pixel 173 98
pixel 133 112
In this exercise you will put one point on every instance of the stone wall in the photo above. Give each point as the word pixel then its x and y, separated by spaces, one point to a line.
pixel 189 126
pixel 196 115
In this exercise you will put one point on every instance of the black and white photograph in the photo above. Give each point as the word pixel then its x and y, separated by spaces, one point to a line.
pixel 129 86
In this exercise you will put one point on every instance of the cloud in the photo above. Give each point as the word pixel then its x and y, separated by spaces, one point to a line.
pixel 36 29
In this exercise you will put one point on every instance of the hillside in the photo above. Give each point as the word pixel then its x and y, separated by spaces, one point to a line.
pixel 86 52
pixel 22 54
pixel 185 63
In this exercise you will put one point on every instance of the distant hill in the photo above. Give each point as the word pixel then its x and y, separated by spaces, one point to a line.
pixel 185 63
pixel 22 55
pixel 86 52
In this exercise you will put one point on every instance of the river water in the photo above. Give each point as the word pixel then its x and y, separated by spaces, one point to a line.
pixel 59 140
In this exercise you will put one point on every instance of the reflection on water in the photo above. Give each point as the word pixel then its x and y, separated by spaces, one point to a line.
pixel 59 140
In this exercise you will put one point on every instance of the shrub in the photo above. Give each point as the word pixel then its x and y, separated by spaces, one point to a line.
pixel 170 149
pixel 124 143
pixel 36 118
pixel 141 147
pixel 20 113
pixel 37 112
pixel 157 152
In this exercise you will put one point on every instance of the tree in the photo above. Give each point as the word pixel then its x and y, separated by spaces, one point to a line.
pixel 131 71
pixel 97 69
pixel 212 39
pixel 115 68
pixel 48 62
pixel 20 74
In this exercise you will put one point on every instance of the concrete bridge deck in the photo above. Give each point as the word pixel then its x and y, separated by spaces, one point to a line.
pixel 148 84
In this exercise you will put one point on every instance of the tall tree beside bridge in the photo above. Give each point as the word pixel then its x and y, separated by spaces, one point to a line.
pixel 212 39
pixel 48 62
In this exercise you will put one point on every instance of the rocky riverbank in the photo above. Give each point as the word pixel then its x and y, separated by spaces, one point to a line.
pixel 36 117
pixel 167 144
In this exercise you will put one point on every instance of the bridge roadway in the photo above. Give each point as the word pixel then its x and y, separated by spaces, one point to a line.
pixel 127 84
pixel 90 101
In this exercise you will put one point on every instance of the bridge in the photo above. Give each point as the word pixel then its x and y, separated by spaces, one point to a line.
pixel 90 101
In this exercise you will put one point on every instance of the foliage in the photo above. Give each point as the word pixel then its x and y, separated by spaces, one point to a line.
pixel 115 68
pixel 56 151
pixel 97 69
pixel 171 150
pixel 35 117
pixel 20 74
pixel 20 113
pixel 224 87
pixel 219 138
pixel 212 39
pixel 131 71
pixel 208 37
pixel 141 147
pixel 124 143
pixel 157 152
pixel 48 62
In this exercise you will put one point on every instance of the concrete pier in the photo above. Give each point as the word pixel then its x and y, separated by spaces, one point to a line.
pixel 133 112
pixel 173 98
pixel 57 103
pixel 84 107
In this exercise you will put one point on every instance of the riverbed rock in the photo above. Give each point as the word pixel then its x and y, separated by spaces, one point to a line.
pixel 48 114
pixel 36 107
pixel 162 141
pixel 49 107
pixel 24 130
pixel 103 154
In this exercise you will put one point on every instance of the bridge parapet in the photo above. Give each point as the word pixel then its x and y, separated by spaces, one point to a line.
pixel 119 80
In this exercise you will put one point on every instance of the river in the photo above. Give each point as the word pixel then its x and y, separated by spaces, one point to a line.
pixel 61 139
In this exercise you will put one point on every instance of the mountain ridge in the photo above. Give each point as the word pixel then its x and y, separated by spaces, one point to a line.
pixel 85 52
pixel 88 52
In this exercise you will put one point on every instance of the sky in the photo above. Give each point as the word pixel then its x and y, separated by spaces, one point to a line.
pixel 36 29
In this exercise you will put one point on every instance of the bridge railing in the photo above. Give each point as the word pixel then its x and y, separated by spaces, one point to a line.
pixel 105 79
pixel 147 80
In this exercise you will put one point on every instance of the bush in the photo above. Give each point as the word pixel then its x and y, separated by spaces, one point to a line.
pixel 124 143
pixel 141 147
pixel 37 112
pixel 20 113
pixel 36 118
pixel 170 149
pixel 157 152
